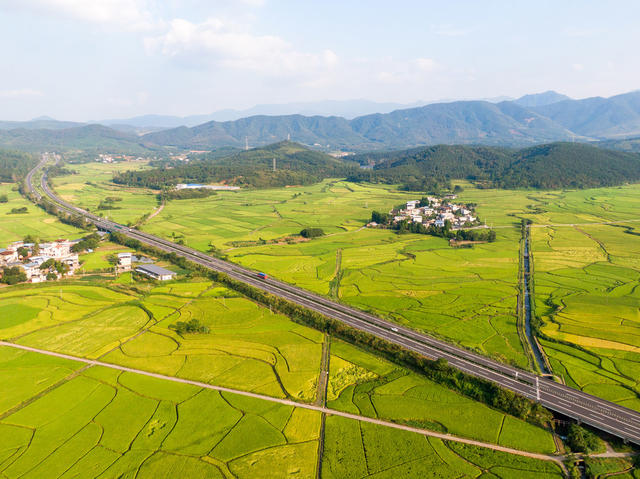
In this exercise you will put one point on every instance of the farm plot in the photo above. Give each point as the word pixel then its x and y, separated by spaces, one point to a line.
pixel 362 383
pixel 357 449
pixel 586 284
pixel 465 295
pixel 92 185
pixel 34 222
pixel 232 218
pixel 105 423
pixel 246 347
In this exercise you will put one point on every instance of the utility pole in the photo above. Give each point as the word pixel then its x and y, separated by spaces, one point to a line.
pixel 274 164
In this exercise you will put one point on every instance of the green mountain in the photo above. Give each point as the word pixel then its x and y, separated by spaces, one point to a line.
pixel 88 138
pixel 459 122
pixel 327 132
pixel 295 165
pixel 555 165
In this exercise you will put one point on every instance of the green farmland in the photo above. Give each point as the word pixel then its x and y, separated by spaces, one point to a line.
pixel 92 184
pixel 586 280
pixel 109 423
pixel 467 296
pixel 102 423
pixel 362 383
pixel 248 347
pixel 35 221
pixel 357 449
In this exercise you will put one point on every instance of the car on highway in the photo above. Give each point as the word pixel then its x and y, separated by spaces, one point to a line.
pixel 262 276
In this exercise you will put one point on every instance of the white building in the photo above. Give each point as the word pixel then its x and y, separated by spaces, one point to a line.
pixel 124 261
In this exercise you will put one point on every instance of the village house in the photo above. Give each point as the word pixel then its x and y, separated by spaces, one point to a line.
pixel 124 262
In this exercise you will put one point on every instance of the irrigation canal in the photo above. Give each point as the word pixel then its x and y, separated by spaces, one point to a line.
pixel 533 343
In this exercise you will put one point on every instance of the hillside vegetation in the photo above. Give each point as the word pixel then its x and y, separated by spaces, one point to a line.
pixel 550 166
pixel 295 165
pixel 14 164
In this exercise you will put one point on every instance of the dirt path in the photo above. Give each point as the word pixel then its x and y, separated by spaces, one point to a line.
pixel 313 407
pixel 156 212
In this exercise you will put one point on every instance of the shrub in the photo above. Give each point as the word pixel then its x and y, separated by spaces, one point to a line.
pixel 311 232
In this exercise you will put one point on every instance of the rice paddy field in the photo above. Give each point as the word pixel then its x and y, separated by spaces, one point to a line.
pixel 357 449
pixel 587 280
pixel 362 383
pixel 35 221
pixel 467 296
pixel 64 418
pixel 92 184
pixel 247 348
pixel 64 421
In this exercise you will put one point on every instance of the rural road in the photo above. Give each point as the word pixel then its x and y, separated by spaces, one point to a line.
pixel 599 413
pixel 287 402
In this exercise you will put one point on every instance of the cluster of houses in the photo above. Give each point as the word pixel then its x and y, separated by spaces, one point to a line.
pixel 30 256
pixel 436 213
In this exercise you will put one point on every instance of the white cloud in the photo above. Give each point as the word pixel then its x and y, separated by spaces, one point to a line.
pixel 577 67
pixel 426 64
pixel 22 93
pixel 134 15
pixel 214 42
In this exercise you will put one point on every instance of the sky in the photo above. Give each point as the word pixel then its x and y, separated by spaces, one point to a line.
pixel 96 59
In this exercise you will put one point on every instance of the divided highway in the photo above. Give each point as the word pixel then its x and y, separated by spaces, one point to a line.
pixel 607 416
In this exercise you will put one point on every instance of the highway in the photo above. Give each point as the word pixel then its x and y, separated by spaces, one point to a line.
pixel 585 408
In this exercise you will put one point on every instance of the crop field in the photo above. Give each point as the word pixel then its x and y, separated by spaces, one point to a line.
pixel 99 259
pixel 587 291
pixel 464 295
pixel 358 449
pixel 35 221
pixel 92 184
pixel 362 383
pixel 247 347
pixel 103 423
pixel 233 217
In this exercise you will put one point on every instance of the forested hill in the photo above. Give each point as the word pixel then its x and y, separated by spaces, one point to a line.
pixel 14 165
pixel 562 165
pixel 295 165
pixel 90 138
pixel 554 165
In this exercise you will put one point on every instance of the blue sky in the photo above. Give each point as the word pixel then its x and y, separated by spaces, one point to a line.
pixel 96 59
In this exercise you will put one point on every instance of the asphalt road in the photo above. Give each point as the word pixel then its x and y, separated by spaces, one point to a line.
pixel 585 408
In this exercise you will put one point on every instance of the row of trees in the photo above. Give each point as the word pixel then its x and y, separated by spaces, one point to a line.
pixel 186 193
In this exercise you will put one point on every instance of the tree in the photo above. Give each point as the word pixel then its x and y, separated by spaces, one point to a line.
pixel 13 275
pixel 311 232
pixel 380 218
pixel 4 199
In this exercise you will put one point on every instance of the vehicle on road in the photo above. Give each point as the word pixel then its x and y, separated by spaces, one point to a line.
pixel 395 330
pixel 262 275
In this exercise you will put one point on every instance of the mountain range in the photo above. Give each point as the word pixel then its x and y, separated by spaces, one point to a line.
pixel 529 120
